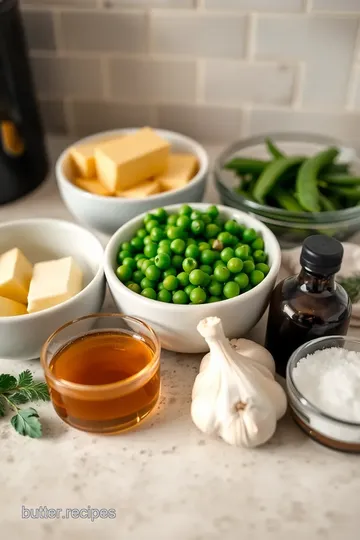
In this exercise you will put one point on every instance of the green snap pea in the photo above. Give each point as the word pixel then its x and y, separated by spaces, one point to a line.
pixel 341 179
pixel 306 181
pixel 286 200
pixel 326 204
pixel 247 165
pixel 273 174
pixel 352 193
pixel 273 149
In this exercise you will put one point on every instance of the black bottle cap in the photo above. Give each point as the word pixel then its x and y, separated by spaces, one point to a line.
pixel 321 254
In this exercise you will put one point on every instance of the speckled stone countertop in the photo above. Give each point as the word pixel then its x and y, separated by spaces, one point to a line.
pixel 166 480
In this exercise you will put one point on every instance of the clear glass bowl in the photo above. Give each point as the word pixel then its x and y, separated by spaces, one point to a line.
pixel 320 426
pixel 290 228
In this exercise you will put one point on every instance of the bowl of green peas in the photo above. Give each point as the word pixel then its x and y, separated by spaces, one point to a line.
pixel 175 265
pixel 298 184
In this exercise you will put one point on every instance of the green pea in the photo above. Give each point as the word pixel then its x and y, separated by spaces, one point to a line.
pixel 227 254
pixel 153 273
pixel 171 220
pixel 147 240
pixel 164 249
pixel 126 246
pixel 140 262
pixel 160 214
pixel 221 273
pixel 124 273
pixel 162 261
pixel 203 246
pixel 183 222
pixel 177 261
pixel 189 264
pixel 192 251
pixel 189 289
pixel 190 241
pixel 183 278
pixel 147 283
pixel 258 244
pixel 157 234
pixel 180 297
pixel 232 227
pixel 170 283
pixel 212 211
pixel 249 235
pixel 248 288
pixel 235 265
pixel 165 242
pixel 198 296
pixel 170 272
pixel 152 224
pixel 149 293
pixel 242 280
pixel 160 286
pixel 185 210
pixel 226 238
pixel 212 230
pixel 141 233
pixel 197 226
pixel 125 254
pixel 215 288
pixel 148 217
pixel 206 219
pixel 207 280
pixel 145 264
pixel 213 299
pixel 178 246
pixel 138 256
pixel 256 277
pixel 138 276
pixel 128 261
pixel 206 269
pixel 242 252
pixel 248 267
pixel 259 256
pixel 150 250
pixel 231 289
pixel 218 263
pixel 175 232
pixel 197 277
pixel 137 243
pixel 195 214
pixel 208 256
pixel 264 268
pixel 134 287
pixel 164 296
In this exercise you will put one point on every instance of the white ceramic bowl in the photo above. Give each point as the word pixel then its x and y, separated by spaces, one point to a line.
pixel 107 214
pixel 176 324
pixel 22 337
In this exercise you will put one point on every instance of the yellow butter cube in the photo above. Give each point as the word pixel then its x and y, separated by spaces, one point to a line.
pixel 181 168
pixel 54 282
pixel 84 160
pixel 130 160
pixel 15 275
pixel 92 185
pixel 10 308
pixel 150 187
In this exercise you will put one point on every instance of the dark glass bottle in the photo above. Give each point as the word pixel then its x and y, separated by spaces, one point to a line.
pixel 310 305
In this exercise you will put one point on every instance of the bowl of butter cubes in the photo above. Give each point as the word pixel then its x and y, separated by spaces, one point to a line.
pixel 109 178
pixel 50 273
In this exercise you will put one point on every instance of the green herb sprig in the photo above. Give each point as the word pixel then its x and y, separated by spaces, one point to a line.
pixel 351 286
pixel 18 391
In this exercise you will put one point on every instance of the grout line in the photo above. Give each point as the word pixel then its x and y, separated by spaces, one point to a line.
pixel 105 77
pixel 200 81
pixel 59 41
pixel 69 116
pixel 299 84
pixel 250 36
pixel 353 79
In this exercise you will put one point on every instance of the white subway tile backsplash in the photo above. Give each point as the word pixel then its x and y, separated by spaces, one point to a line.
pixel 357 88
pixel 325 43
pixel 237 83
pixel 341 6
pixel 62 3
pixel 198 34
pixel 57 77
pixel 91 117
pixel 39 28
pixel 53 113
pixel 208 124
pixel 345 126
pixel 257 5
pixel 104 31
pixel 149 3
pixel 153 81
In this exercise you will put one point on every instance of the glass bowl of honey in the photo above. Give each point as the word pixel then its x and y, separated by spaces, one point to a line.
pixel 103 372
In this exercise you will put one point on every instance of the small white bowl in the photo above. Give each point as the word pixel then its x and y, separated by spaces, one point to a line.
pixel 176 324
pixel 107 214
pixel 22 337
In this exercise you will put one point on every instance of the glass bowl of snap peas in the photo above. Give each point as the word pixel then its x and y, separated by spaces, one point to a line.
pixel 298 184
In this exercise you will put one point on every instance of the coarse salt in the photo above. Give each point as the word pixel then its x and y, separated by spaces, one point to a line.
pixel 330 380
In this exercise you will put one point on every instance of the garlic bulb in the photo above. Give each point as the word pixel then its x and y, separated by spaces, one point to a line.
pixel 235 396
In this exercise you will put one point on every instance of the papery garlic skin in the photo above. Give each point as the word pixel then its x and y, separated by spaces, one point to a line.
pixel 234 396
pixel 256 352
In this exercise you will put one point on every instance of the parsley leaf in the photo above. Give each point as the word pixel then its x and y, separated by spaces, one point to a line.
pixel 26 422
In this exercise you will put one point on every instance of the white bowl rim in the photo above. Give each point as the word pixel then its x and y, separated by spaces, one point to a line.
pixel 54 309
pixel 113 281
pixel 200 152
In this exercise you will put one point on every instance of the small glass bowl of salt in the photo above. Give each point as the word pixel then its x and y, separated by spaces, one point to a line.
pixel 323 383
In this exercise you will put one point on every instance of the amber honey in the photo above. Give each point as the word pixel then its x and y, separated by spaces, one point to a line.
pixel 104 381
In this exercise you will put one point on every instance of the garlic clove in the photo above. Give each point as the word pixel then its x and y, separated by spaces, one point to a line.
pixel 256 352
